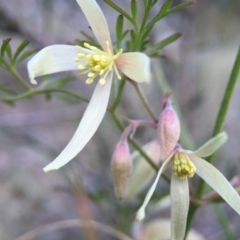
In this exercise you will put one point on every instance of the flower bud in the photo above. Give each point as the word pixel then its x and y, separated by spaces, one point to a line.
pixel 168 129
pixel 121 167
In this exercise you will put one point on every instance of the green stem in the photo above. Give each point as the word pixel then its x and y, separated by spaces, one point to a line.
pixel 44 91
pixel 137 147
pixel 119 95
pixel 144 101
pixel 224 222
pixel 218 126
pixel 18 78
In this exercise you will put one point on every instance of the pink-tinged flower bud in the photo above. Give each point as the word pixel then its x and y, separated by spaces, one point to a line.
pixel 168 129
pixel 121 166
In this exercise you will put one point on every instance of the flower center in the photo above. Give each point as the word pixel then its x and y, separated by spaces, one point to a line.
pixel 182 166
pixel 97 63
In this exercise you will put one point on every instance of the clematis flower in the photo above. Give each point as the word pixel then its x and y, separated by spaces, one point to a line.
pixel 98 65
pixel 186 163
pixel 159 229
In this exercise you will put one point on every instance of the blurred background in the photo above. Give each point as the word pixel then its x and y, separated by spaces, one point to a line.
pixel 34 131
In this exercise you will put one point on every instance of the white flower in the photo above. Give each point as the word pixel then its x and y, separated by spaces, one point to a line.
pixel 185 164
pixel 95 63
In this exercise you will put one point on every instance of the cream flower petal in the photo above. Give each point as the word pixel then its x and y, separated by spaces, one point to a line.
pixel 180 205
pixel 141 211
pixel 159 229
pixel 87 127
pixel 52 59
pixel 217 181
pixel 97 21
pixel 211 146
pixel 135 65
pixel 142 172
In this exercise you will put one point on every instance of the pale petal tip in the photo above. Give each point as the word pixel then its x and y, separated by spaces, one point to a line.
pixel 223 135
pixel 140 214
pixel 33 81
pixel 49 168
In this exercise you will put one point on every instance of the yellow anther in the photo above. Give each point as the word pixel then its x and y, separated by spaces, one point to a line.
pixel 97 63
pixel 96 58
pixel 103 58
pixel 97 68
pixel 91 75
pixel 102 81
pixel 89 80
pixel 182 166
pixel 101 72
pixel 92 48
pixel 82 67
pixel 81 55
pixel 87 45
pixel 89 57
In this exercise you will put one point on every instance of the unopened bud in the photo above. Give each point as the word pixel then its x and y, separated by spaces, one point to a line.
pixel 168 129
pixel 121 166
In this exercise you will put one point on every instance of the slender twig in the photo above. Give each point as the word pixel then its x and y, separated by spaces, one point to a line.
pixel 18 78
pixel 224 222
pixel 43 91
pixel 138 148
pixel 72 224
pixel 218 126
pixel 144 101
pixel 119 95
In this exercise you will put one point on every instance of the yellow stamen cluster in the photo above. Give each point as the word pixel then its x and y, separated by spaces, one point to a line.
pixel 97 63
pixel 182 166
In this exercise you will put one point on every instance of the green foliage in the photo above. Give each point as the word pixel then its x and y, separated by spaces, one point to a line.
pixel 8 59
pixel 4 46
pixel 152 50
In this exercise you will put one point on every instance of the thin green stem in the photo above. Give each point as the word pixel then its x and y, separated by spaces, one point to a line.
pixel 144 101
pixel 44 91
pixel 218 126
pixel 119 95
pixel 18 78
pixel 224 222
pixel 137 147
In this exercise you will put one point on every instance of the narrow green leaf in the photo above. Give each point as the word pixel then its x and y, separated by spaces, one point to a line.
pixel 163 43
pixel 154 2
pixel 20 49
pixel 164 11
pixel 133 35
pixel 89 38
pixel 9 53
pixel 57 83
pixel 119 29
pixel 125 34
pixel 165 7
pixel 180 6
pixel 25 55
pixel 145 2
pixel 134 9
pixel 4 46
pixel 4 89
pixel 118 9
pixel 128 46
